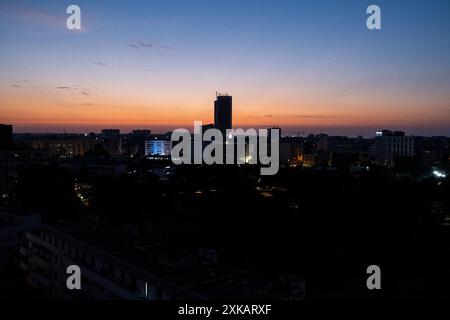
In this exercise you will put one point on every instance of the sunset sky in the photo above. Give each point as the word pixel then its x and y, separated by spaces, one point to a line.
pixel 308 66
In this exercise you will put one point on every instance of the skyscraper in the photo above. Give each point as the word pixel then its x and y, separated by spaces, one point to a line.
pixel 223 112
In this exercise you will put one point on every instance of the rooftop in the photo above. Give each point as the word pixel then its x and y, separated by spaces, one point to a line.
pixel 188 271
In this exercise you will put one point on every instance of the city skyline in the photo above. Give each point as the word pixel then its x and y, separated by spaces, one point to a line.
pixel 306 67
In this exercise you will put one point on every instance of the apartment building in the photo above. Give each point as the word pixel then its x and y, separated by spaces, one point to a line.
pixel 119 265
pixel 390 146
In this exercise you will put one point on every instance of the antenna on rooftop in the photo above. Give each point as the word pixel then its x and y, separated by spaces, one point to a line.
pixel 218 94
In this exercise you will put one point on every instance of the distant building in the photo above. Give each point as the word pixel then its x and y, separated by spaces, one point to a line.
pixel 6 136
pixel 223 112
pixel 309 160
pixel 432 151
pixel 64 147
pixel 110 132
pixel 133 143
pixel 158 147
pixel 391 145
pixel 144 132
pixel 112 141
pixel 61 149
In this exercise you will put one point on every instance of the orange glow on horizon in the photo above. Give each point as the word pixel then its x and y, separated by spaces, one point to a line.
pixel 45 108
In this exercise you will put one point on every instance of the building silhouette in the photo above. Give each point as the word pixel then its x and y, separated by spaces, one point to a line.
pixel 6 139
pixel 112 141
pixel 223 112
pixel 118 265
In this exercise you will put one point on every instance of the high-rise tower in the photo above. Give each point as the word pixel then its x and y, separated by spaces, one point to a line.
pixel 223 112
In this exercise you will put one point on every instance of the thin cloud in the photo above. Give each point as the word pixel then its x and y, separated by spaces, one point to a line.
pixel 299 116
pixel 317 116
pixel 29 14
pixel 145 45
pixel 36 17
pixel 22 84
pixel 128 108
pixel 100 63
pixel 149 45
pixel 74 90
